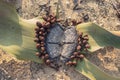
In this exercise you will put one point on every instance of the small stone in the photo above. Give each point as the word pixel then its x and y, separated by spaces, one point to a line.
pixel 86 17
pixel 118 14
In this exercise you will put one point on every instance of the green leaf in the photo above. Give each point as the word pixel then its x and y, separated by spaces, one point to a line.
pixel 98 37
pixel 92 72
pixel 17 34
pixel 17 38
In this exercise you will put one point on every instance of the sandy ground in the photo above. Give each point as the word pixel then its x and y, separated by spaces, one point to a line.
pixel 98 11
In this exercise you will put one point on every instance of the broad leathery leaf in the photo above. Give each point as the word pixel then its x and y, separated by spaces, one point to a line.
pixel 17 34
pixel 17 38
pixel 98 37
pixel 92 72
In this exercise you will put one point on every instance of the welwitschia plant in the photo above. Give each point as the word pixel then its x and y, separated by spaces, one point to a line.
pixel 17 38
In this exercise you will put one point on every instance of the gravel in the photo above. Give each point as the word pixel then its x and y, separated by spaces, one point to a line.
pixel 98 11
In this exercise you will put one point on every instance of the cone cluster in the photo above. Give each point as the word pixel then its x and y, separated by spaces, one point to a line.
pixel 82 45
pixel 41 32
pixel 74 22
pixel 44 28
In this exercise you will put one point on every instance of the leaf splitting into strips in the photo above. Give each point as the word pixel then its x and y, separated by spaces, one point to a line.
pixel 98 37
pixel 92 72
pixel 17 34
